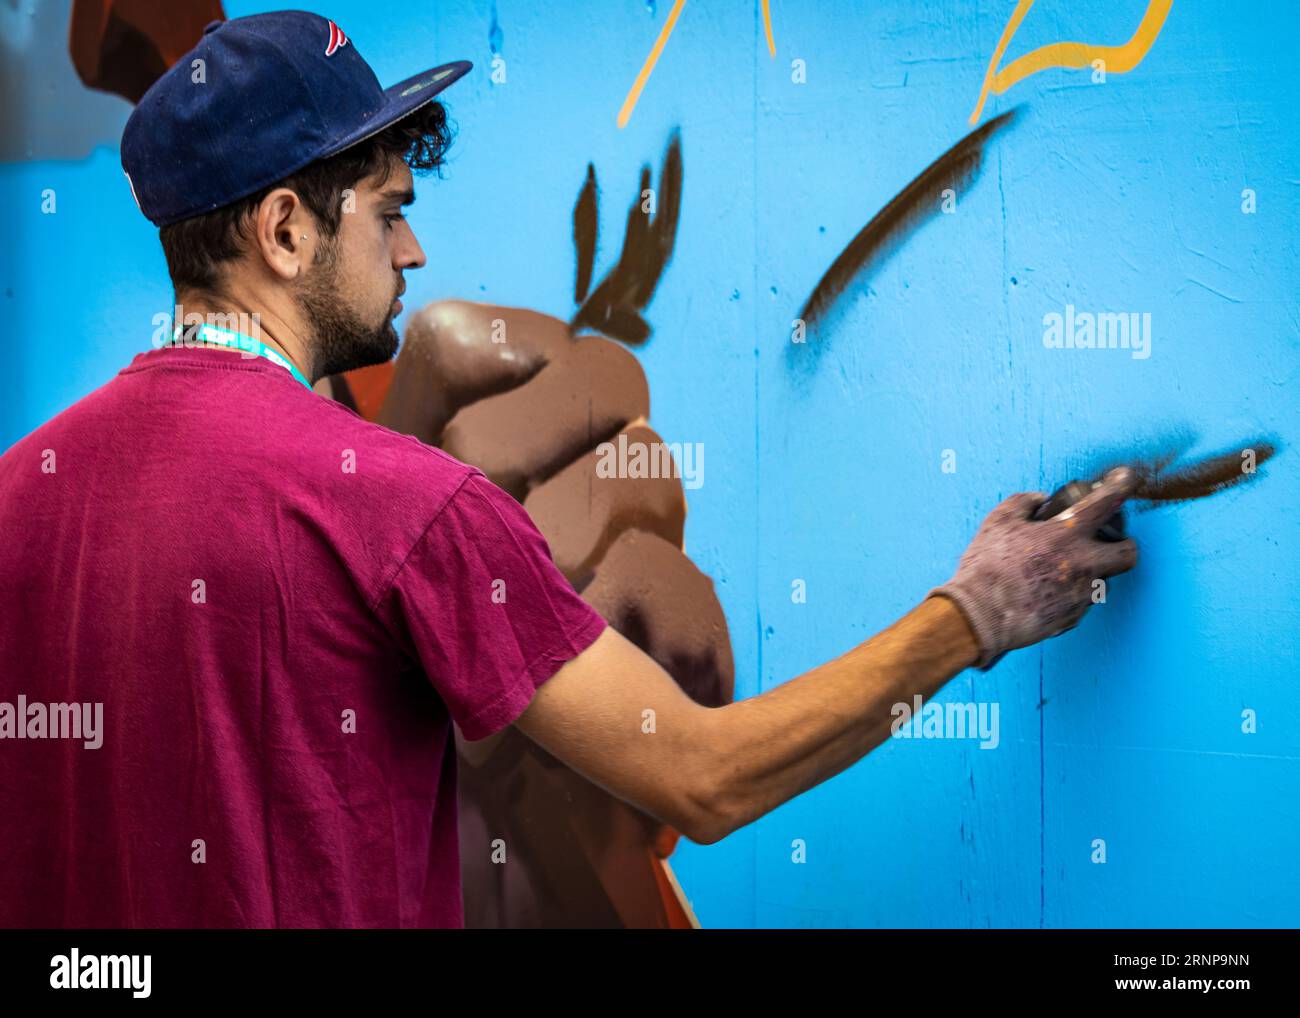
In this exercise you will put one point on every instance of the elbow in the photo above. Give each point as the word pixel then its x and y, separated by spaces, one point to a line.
pixel 710 810
pixel 703 823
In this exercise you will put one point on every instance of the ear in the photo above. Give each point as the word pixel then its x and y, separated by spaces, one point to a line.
pixel 284 233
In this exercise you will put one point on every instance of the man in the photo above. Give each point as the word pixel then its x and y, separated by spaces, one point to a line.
pixel 240 620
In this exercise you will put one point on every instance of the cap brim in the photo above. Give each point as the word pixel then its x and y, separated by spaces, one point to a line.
pixel 403 98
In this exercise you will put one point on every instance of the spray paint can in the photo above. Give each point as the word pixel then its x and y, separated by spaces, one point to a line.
pixel 1070 493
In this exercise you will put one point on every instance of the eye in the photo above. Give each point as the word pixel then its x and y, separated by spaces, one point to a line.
pixel 393 217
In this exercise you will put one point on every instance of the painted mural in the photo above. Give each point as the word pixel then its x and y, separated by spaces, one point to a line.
pixel 537 403
pixel 928 254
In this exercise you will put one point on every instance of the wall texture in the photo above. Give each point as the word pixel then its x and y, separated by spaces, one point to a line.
pixel 1122 195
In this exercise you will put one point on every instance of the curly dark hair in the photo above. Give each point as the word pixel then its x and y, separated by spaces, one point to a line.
pixel 195 248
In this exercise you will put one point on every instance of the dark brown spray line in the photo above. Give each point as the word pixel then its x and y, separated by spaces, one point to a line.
pixel 1159 481
pixel 614 307
pixel 1157 484
pixel 586 229
pixel 918 201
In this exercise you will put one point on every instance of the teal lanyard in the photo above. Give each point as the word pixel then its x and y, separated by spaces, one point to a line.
pixel 238 341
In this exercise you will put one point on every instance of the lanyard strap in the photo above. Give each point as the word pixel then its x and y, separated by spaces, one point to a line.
pixel 239 341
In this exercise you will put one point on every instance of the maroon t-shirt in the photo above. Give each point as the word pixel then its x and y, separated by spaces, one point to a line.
pixel 277 610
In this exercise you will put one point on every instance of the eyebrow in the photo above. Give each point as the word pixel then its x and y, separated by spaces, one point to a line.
pixel 406 197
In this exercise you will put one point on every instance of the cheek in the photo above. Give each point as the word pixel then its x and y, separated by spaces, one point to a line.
pixel 381 248
pixel 365 249
pixel 367 266
pixel 380 269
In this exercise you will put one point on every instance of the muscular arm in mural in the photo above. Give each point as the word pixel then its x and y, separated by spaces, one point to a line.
pixel 709 772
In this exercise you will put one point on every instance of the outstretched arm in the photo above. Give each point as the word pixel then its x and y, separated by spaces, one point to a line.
pixel 707 772
pixel 615 716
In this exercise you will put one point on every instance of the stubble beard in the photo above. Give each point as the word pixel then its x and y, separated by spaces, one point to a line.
pixel 343 340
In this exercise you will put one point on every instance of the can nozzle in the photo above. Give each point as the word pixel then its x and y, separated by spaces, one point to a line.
pixel 1070 493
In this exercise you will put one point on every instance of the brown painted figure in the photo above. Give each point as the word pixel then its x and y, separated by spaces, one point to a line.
pixel 529 398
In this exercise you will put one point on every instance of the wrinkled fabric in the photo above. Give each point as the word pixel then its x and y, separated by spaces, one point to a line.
pixel 281 609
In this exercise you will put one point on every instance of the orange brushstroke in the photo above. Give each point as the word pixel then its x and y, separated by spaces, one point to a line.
pixel 1117 59
pixel 369 386
pixel 629 104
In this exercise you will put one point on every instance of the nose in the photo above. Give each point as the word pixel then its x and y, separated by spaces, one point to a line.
pixel 408 254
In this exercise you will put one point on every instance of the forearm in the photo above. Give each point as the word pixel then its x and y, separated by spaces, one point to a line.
pixel 770 748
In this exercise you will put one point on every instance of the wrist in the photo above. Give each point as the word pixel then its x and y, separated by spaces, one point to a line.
pixel 953 630
pixel 978 616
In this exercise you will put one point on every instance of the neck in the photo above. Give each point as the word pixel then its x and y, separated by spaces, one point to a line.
pixel 277 331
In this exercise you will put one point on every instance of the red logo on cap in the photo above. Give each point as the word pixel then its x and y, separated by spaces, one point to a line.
pixel 337 39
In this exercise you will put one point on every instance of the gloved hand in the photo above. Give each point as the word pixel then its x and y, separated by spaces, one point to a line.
pixel 1021 580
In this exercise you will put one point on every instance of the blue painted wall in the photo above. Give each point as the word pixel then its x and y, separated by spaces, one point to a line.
pixel 1122 196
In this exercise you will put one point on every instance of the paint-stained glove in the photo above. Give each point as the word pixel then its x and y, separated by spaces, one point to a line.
pixel 1022 580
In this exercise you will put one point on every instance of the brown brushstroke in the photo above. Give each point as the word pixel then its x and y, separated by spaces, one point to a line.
pixel 586 231
pixel 663 228
pixel 917 201
pixel 1158 485
pixel 577 855
pixel 614 307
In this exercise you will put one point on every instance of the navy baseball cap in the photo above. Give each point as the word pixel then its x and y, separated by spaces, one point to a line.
pixel 273 93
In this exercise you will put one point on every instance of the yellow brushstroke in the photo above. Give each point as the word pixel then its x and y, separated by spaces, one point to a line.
pixel 1017 16
pixel 629 104
pixel 1117 59
pixel 767 26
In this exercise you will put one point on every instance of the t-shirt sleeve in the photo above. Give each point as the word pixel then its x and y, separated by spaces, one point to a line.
pixel 480 603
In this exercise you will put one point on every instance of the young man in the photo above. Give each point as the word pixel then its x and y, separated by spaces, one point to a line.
pixel 240 620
